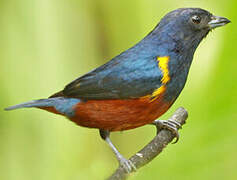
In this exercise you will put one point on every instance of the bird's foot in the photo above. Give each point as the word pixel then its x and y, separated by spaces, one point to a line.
pixel 127 164
pixel 171 125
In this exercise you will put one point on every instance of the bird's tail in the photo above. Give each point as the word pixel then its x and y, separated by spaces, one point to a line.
pixel 35 103
pixel 58 105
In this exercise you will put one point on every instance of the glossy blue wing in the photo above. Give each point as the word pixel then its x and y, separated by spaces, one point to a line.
pixel 120 78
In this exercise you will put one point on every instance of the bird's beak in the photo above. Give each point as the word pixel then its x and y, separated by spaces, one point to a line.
pixel 217 21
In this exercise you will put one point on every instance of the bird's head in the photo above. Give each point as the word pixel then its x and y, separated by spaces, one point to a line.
pixel 189 25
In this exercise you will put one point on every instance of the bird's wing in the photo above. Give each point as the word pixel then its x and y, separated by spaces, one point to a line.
pixel 117 79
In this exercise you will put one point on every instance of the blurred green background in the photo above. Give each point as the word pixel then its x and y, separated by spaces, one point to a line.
pixel 45 44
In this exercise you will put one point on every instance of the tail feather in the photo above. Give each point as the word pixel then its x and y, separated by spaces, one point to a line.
pixel 60 105
pixel 34 103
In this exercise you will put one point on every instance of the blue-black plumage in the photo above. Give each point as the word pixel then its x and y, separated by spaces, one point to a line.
pixel 135 73
pixel 139 85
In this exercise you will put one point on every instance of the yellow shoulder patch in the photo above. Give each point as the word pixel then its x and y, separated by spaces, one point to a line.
pixel 158 91
pixel 163 65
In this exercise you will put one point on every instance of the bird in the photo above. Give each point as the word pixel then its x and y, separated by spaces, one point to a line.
pixel 139 85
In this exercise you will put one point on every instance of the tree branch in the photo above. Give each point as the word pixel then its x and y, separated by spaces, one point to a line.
pixel 153 148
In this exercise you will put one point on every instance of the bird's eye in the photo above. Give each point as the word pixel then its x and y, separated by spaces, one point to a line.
pixel 196 19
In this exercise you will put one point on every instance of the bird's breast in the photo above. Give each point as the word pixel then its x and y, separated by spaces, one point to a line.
pixel 178 73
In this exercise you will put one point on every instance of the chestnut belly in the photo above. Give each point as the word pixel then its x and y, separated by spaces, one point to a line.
pixel 118 115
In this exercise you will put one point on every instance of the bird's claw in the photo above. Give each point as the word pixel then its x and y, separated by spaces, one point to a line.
pixel 127 165
pixel 171 125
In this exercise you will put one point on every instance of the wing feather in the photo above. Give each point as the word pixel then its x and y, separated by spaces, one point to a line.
pixel 120 78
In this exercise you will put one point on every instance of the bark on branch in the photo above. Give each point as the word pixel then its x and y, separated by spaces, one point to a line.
pixel 153 148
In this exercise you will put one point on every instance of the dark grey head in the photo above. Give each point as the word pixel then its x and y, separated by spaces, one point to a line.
pixel 189 25
pixel 194 18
